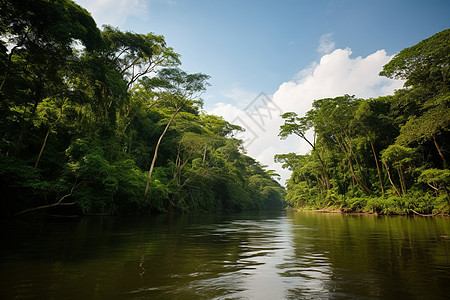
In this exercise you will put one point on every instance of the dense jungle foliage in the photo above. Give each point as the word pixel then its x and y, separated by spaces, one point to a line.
pixel 386 155
pixel 105 122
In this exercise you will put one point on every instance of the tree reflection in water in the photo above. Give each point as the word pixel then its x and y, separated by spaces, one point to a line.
pixel 257 256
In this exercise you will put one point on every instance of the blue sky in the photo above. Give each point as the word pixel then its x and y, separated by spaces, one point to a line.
pixel 257 45
pixel 294 51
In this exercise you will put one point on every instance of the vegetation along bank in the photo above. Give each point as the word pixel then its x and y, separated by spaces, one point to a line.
pixel 105 122
pixel 386 155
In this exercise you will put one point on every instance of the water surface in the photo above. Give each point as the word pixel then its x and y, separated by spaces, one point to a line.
pixel 282 255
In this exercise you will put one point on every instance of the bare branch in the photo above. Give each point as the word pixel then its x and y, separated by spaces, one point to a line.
pixel 59 203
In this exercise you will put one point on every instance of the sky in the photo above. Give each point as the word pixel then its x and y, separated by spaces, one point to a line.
pixel 269 57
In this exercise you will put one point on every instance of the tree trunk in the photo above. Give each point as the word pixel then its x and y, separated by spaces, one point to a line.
pixel 325 172
pixel 439 150
pixel 204 155
pixel 390 179
pixel 156 152
pixel 378 167
pixel 350 147
pixel 361 184
pixel 357 180
pixel 180 166
pixel 44 143
pixel 319 157
pixel 42 148
pixel 402 180
pixel 177 175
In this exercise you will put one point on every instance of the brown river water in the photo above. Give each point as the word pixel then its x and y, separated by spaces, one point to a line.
pixel 266 255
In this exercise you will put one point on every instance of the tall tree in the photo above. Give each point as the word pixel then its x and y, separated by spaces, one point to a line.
pixel 300 127
pixel 176 88
pixel 425 64
pixel 38 38
pixel 426 69
pixel 333 122
pixel 136 55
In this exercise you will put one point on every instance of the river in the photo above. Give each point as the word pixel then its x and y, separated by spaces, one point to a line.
pixel 277 255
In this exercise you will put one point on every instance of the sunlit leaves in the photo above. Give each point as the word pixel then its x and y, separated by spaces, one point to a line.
pixel 426 63
pixel 423 128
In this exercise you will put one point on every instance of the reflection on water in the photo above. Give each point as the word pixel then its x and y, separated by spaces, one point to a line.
pixel 242 256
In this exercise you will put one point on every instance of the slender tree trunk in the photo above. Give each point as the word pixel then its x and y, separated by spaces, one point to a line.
pixel 319 157
pixel 390 179
pixel 204 155
pixel 42 148
pixel 402 180
pixel 156 152
pixel 180 166
pixel 325 172
pixel 350 147
pixel 436 190
pixel 400 177
pixel 44 143
pixel 177 175
pixel 439 150
pixel 126 115
pixel 357 180
pixel 361 184
pixel 378 167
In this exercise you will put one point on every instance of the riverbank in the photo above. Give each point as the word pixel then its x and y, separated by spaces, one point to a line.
pixel 442 212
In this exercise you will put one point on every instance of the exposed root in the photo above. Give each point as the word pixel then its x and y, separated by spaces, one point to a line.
pixel 429 215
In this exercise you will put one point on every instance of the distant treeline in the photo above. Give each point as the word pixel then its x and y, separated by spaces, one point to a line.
pixel 385 155
pixel 104 122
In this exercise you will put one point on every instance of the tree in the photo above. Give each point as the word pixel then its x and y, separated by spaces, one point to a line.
pixel 177 89
pixel 136 55
pixel 290 161
pixel 334 122
pixel 438 180
pixel 412 126
pixel 400 157
pixel 372 125
pixel 84 111
pixel 42 27
pixel 425 64
pixel 52 112
pixel 426 69
pixel 426 127
pixel 300 126
pixel 38 39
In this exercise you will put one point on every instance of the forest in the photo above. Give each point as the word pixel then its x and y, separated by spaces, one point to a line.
pixel 104 122
pixel 386 155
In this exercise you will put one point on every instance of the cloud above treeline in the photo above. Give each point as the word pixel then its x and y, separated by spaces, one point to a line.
pixel 115 12
pixel 336 74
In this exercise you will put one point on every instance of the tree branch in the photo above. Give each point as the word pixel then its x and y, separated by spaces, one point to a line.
pixel 59 203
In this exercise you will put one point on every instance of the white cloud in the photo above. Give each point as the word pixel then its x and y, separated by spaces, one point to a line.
pixel 239 95
pixel 334 75
pixel 115 12
pixel 326 44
